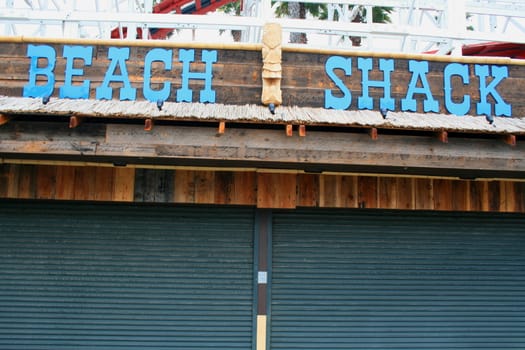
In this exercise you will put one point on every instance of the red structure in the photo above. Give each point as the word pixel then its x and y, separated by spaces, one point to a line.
pixel 492 49
pixel 194 7
pixel 495 49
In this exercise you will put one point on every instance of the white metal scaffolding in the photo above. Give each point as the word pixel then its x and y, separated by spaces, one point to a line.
pixel 417 25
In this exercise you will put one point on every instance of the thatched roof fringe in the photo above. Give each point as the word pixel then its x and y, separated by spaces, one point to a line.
pixel 259 114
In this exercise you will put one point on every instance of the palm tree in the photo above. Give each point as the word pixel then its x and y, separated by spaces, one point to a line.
pixel 299 10
pixel 235 9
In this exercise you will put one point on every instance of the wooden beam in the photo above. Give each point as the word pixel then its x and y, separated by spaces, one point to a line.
pixel 265 148
pixel 75 121
pixel 443 136
pixel 148 124
pixel 510 139
pixel 373 133
pixel 4 119
pixel 289 129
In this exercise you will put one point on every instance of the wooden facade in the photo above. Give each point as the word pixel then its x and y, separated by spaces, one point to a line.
pixel 260 189
pixel 236 74
pixel 62 151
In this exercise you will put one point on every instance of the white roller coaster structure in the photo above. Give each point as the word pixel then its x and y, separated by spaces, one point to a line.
pixel 417 26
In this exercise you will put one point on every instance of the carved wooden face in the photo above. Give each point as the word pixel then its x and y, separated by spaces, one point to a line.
pixel 272 36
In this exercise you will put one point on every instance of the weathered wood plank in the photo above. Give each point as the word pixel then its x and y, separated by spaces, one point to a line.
pixel 123 184
pixel 479 195
pixel 46 181
pixel 443 198
pixel 224 185
pixel 276 190
pixel 104 183
pixel 27 182
pixel 235 188
pixel 204 187
pixel 387 192
pixel 424 194
pixel 85 178
pixel 349 191
pixel 4 179
pixel 367 192
pixel 308 190
pixel 495 194
pixel 349 152
pixel 154 185
pixel 338 191
pixel 460 195
pixel 405 193
pixel 13 181
pixel 519 196
pixel 184 186
pixel 245 188
pixel 329 191
pixel 65 184
pixel 509 196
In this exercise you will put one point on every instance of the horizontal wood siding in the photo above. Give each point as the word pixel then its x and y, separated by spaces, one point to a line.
pixel 264 190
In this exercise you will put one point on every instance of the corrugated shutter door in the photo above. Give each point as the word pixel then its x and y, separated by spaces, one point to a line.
pixel 76 276
pixel 385 280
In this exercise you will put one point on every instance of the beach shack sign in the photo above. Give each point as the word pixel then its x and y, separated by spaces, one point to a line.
pixel 334 81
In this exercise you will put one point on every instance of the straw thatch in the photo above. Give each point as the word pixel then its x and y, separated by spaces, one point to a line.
pixel 259 115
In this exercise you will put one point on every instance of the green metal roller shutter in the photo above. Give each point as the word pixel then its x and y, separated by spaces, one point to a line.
pixel 397 280
pixel 76 276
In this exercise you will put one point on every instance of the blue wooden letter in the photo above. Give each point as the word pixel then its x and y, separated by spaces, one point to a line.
pixel 462 71
pixel 331 101
pixel 35 52
pixel 160 55
pixel 185 94
pixel 419 70
pixel 71 53
pixel 365 101
pixel 104 91
pixel 498 74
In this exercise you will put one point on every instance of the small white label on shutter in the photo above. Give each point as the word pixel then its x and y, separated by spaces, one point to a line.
pixel 262 277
